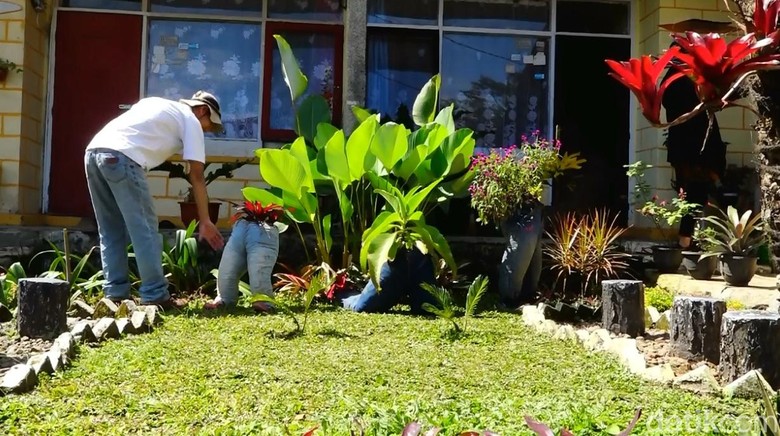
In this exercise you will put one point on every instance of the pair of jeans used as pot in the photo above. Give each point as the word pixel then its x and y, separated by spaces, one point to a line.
pixel 252 247
pixel 400 281
pixel 125 213
pixel 521 263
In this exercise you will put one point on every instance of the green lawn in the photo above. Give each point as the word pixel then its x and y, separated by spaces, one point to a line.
pixel 228 375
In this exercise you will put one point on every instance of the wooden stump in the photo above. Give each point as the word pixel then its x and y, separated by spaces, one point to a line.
pixel 695 329
pixel 750 339
pixel 43 304
pixel 623 306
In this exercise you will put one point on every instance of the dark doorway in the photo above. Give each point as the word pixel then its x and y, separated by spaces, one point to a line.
pixel 592 115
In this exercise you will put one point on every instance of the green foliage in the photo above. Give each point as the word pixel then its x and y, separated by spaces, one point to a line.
pixel 704 235
pixel 506 180
pixel 176 171
pixel 448 310
pixel 735 234
pixel 734 304
pixel 5 64
pixel 218 374
pixel 659 297
pixel 182 262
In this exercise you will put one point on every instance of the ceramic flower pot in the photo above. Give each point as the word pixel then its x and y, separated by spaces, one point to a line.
pixel 698 267
pixel 667 259
pixel 738 270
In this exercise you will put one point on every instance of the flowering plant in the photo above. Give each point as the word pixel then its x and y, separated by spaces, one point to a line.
pixel 255 212
pixel 508 179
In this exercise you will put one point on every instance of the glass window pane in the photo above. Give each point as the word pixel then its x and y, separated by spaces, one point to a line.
pixel 603 17
pixel 316 56
pixel 501 14
pixel 115 5
pixel 499 85
pixel 419 12
pixel 399 63
pixel 312 10
pixel 241 8
pixel 222 58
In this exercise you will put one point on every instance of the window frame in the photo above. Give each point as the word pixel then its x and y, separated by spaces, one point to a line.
pixel 279 27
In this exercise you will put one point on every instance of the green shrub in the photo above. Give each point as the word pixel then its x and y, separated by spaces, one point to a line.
pixel 659 297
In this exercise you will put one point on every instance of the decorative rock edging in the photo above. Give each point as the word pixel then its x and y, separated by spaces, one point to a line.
pixel 23 377
pixel 701 379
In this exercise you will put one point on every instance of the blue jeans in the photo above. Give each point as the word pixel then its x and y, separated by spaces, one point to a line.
pixel 399 279
pixel 521 263
pixel 125 213
pixel 251 247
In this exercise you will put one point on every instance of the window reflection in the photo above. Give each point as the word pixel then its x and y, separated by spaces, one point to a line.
pixel 416 12
pixel 313 10
pixel 399 63
pixel 502 14
pixel 498 85
pixel 242 8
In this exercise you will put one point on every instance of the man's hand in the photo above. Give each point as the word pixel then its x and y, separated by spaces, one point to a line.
pixel 208 231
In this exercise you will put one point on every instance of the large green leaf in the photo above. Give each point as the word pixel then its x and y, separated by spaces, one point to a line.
pixel 296 209
pixel 445 119
pixel 300 151
pixel 282 169
pixel 424 107
pixel 296 81
pixel 389 144
pixel 358 145
pixel 264 196
pixel 379 249
pixel 395 203
pixel 383 223
pixel 360 113
pixel 415 197
pixel 325 131
pixel 436 242
pixel 336 158
pixel 326 232
pixel 313 110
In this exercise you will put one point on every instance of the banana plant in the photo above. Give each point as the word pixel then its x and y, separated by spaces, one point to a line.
pixel 9 280
pixel 401 225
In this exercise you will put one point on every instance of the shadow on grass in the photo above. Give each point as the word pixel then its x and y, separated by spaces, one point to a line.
pixel 330 332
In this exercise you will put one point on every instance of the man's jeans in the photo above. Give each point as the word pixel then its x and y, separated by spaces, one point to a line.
pixel 399 279
pixel 125 213
pixel 251 247
pixel 521 263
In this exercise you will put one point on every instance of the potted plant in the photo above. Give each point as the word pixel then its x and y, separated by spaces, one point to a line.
pixel 736 242
pixel 189 210
pixel 6 67
pixel 699 266
pixel 507 191
pixel 665 215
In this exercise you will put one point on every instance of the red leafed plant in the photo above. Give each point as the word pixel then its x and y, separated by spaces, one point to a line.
pixel 543 430
pixel 715 66
pixel 254 211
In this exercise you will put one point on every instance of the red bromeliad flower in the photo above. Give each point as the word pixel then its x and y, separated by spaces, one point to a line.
pixel 254 211
pixel 338 284
pixel 765 18
pixel 716 66
pixel 641 77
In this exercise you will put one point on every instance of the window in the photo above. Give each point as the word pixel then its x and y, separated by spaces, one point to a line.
pixel 222 58
pixel 240 8
pixel 116 5
pixel 399 63
pixel 498 14
pixel 603 17
pixel 498 84
pixel 310 10
pixel 319 52
pixel 416 12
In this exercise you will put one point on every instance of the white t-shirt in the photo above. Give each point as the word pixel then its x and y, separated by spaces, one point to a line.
pixel 153 130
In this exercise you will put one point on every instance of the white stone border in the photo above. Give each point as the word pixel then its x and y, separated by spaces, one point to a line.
pixel 23 377
pixel 700 379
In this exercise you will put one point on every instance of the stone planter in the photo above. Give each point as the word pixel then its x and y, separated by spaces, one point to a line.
pixel 699 268
pixel 738 270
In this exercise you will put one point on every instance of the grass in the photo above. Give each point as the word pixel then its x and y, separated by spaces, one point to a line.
pixel 232 374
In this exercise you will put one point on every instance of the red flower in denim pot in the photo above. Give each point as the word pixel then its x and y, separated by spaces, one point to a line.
pixel 339 283
pixel 254 211
pixel 641 77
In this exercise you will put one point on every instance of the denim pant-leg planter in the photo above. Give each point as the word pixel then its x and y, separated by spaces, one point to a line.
pixel 521 263
pixel 252 247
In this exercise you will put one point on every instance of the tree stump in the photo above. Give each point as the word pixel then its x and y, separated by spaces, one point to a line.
pixel 623 306
pixel 43 305
pixel 750 339
pixel 695 329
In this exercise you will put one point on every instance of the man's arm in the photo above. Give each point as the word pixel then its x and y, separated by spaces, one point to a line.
pixel 206 229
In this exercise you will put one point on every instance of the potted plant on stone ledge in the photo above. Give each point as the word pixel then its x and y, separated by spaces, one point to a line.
pixel 665 215
pixel 189 210
pixel 698 265
pixel 736 242
pixel 6 67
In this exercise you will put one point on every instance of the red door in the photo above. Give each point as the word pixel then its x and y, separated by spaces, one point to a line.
pixel 97 69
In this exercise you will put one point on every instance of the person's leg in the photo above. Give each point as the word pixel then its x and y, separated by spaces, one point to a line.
pixel 262 246
pixel 521 244
pixel 232 266
pixel 420 270
pixel 111 228
pixel 534 271
pixel 128 183
pixel 392 278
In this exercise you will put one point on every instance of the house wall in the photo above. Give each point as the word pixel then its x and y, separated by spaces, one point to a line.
pixel 24 38
pixel 735 123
